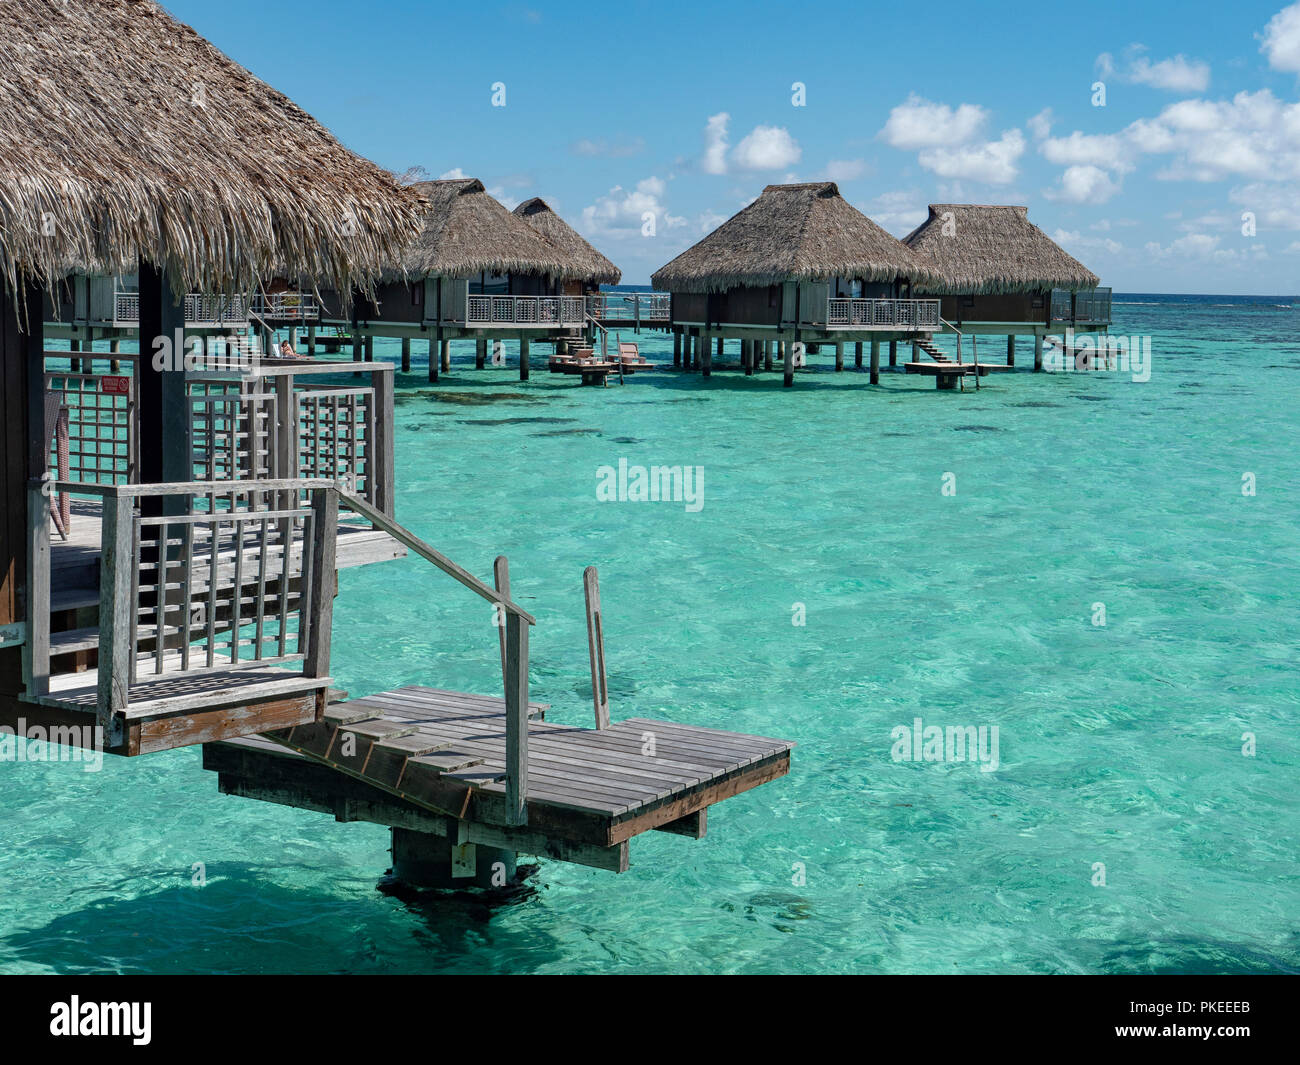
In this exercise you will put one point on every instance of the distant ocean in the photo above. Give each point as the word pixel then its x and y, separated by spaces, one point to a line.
pixel 1125 829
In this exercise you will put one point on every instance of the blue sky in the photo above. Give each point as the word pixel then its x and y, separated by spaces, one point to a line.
pixel 685 111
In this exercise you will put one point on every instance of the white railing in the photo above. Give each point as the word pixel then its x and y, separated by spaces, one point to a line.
pixel 287 306
pixel 523 311
pixel 843 313
pixel 630 306
pixel 201 309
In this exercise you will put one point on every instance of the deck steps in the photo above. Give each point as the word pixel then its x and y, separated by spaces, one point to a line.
pixel 585 786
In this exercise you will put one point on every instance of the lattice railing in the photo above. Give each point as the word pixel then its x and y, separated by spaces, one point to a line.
pixel 522 311
pixel 844 313
pixel 232 433
pixel 100 427
pixel 336 433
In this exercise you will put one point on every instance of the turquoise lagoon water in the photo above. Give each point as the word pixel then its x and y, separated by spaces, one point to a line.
pixel 1119 744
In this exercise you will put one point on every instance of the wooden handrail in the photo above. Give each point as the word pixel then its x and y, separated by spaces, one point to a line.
pixel 404 536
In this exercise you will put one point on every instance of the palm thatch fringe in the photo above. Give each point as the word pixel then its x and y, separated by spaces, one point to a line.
pixel 126 135
pixel 805 232
pixel 595 267
pixel 990 249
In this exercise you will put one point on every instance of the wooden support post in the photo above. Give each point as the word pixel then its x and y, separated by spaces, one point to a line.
pixel 1011 349
pixel 596 646
pixel 875 362
pixel 501 578
pixel 480 352
pixel 36 652
pixel 857 355
pixel 839 356
pixel 370 348
pixel 383 457
pixel 163 443
pixel 117 611
pixel 1038 353
pixel 311 341
pixel 706 355
pixel 677 351
pixel 324 581
pixel 74 346
pixel 358 347
pixel 787 360
pixel 406 354
pixel 916 351
pixel 446 356
pixel 523 358
pixel 114 348
pixel 433 361
pixel 721 347
pixel 516 719
pixel 767 355
pixel 747 357
pixel 893 353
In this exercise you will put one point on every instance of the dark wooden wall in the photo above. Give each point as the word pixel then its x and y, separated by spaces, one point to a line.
pixel 997 307
pixel 21 456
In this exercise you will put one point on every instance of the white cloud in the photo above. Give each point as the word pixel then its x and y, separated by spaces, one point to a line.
pixel 845 169
pixel 1040 125
pixel 1192 246
pixel 767 148
pixel 621 212
pixel 452 175
pixel 1281 41
pixel 714 160
pixel 918 123
pixel 1074 239
pixel 993 162
pixel 1275 206
pixel 1084 184
pixel 1175 74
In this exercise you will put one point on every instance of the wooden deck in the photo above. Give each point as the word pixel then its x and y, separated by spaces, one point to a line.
pixel 442 753
pixel 75 562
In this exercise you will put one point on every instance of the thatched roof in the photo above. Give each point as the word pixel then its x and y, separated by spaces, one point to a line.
pixel 467 232
pixel 595 267
pixel 791 233
pixel 124 134
pixel 994 249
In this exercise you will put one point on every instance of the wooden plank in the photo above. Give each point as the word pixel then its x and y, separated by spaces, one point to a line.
pixel 325 522
pixel 116 613
pixel 516 719
pixel 184 730
pixel 596 646
pixel 37 651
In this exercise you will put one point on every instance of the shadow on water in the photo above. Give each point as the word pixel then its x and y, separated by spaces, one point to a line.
pixel 246 919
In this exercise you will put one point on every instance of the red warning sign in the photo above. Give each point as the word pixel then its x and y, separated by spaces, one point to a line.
pixel 115 386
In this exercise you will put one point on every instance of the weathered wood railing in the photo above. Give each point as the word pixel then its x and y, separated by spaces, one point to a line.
pixel 515 657
pixel 846 313
pixel 101 422
pixel 228 576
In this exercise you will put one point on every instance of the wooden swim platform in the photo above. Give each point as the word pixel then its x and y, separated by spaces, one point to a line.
pixel 436 760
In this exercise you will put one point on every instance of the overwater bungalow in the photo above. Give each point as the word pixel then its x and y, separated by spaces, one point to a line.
pixel 1002 275
pixel 172 533
pixel 476 271
pixel 796 268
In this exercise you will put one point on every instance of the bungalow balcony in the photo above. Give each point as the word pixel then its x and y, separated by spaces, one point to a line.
pixel 114 302
pixel 630 307
pixel 202 310
pixel 889 315
pixel 1085 307
pixel 525 312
